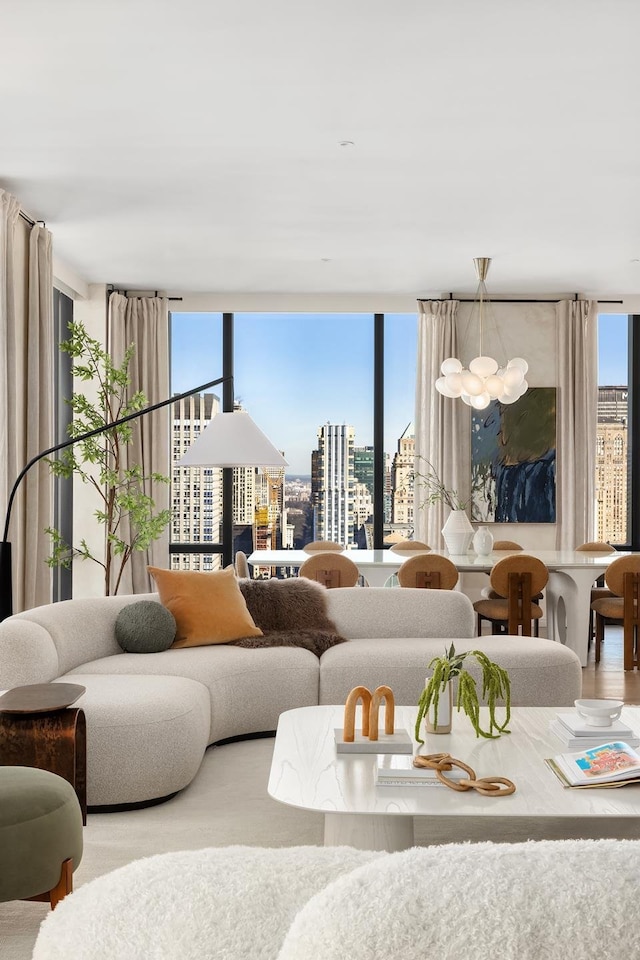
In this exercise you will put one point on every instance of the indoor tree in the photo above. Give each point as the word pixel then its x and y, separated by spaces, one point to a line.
pixel 99 461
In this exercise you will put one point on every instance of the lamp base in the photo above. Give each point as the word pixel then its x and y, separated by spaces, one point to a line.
pixel 6 581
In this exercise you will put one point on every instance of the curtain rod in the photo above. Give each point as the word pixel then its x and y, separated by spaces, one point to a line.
pixel 30 220
pixel 125 293
pixel 494 302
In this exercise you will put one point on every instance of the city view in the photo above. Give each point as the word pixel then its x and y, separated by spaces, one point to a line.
pixel 327 491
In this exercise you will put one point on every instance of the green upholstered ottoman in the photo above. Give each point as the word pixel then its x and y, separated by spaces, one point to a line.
pixel 40 835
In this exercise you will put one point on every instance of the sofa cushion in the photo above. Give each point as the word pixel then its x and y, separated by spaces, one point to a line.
pixel 208 607
pixel 145 627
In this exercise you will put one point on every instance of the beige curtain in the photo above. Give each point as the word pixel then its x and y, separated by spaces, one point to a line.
pixel 441 425
pixel 26 397
pixel 144 321
pixel 577 377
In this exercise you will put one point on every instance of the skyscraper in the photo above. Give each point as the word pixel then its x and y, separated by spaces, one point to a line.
pixel 611 464
pixel 402 480
pixel 196 492
pixel 332 484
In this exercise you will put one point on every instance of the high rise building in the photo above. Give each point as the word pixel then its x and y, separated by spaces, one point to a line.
pixel 363 467
pixel 332 484
pixel 196 492
pixel 402 471
pixel 611 464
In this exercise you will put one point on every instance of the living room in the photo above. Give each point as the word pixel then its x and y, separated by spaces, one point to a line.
pixel 264 177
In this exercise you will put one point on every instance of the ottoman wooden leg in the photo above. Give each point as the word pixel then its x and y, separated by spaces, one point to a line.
pixel 62 887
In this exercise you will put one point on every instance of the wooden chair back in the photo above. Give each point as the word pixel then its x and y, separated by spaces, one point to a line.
pixel 322 546
pixel 519 579
pixel 506 545
pixel 427 571
pixel 408 545
pixel 331 570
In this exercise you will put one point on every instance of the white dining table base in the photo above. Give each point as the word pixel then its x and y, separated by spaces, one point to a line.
pixel 368 832
pixel 568 604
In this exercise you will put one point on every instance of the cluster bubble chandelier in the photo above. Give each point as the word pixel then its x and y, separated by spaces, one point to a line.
pixel 484 380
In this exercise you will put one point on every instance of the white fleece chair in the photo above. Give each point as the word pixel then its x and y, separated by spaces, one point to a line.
pixel 521 901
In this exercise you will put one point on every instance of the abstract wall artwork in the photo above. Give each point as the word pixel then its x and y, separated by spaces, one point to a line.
pixel 513 459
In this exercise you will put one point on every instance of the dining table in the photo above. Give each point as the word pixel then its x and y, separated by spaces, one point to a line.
pixel 567 594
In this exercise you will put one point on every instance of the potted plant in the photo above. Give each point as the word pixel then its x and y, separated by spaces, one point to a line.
pixel 495 686
pixel 99 462
pixel 457 530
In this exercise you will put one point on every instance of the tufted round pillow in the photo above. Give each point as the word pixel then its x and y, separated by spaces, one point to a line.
pixel 520 901
pixel 145 627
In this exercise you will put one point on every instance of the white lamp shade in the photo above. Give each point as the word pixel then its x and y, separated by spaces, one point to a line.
pixel 232 440
pixel 483 366
pixel 450 365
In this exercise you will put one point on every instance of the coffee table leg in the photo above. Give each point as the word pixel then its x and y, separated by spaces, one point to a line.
pixel 368 832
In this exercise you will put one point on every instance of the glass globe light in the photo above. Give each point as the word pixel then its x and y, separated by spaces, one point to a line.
pixel 494 386
pixel 481 401
pixel 513 377
pixel 454 383
pixel 450 365
pixel 483 366
pixel 442 387
pixel 471 384
pixel 466 399
pixel 508 397
pixel 519 363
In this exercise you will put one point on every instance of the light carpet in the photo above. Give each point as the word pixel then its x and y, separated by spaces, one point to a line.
pixel 227 804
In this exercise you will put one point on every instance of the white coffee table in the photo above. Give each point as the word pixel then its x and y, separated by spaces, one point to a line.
pixel 306 772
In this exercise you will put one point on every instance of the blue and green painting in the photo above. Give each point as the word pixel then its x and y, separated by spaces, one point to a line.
pixel 513 459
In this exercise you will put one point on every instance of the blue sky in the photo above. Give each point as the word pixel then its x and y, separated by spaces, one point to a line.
pixel 294 372
pixel 612 349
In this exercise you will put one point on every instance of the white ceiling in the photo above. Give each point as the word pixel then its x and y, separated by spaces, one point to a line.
pixel 194 146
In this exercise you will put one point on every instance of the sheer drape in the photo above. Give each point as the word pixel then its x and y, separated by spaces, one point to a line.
pixel 145 322
pixel 441 424
pixel 26 396
pixel 577 344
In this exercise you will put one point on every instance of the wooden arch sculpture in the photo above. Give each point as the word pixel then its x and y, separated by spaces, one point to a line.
pixel 370 711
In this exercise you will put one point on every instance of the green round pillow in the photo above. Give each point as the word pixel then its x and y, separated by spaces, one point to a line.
pixel 145 627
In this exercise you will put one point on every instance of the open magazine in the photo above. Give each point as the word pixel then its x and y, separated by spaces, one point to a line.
pixel 609 765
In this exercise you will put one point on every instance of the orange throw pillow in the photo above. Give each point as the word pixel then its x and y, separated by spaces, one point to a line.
pixel 208 607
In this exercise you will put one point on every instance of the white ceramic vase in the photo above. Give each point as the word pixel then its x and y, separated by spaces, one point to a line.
pixel 483 541
pixel 445 710
pixel 457 532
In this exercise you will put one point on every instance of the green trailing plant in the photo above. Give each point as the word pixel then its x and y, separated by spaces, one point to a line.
pixel 434 489
pixel 98 461
pixel 495 686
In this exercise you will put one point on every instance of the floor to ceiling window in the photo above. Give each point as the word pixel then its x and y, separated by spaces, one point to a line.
pixel 312 383
pixel 612 520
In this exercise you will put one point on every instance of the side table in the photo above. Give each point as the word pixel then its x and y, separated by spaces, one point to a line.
pixel 39 728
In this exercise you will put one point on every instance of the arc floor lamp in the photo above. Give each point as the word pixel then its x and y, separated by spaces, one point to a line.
pixel 229 440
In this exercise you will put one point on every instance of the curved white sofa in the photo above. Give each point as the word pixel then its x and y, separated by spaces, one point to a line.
pixel 150 717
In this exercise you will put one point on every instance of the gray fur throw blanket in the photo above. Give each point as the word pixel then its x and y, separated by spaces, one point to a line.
pixel 290 613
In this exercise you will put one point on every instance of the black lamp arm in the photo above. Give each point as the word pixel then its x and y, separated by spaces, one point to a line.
pixel 93 433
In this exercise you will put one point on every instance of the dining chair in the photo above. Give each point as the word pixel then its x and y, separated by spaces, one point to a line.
pixel 598 591
pixel 330 569
pixel 506 545
pixel 405 546
pixel 515 581
pixel 431 571
pixel 487 593
pixel 622 578
pixel 322 546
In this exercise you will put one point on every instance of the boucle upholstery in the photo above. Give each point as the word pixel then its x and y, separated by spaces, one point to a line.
pixel 542 900
pixel 394 634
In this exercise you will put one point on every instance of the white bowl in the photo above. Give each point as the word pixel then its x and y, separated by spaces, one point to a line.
pixel 599 713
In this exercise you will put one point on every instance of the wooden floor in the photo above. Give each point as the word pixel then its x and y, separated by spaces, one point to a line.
pixel 608 679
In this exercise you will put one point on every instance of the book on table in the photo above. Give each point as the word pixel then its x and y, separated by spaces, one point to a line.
pixel 397 770
pixel 577 727
pixel 612 764
pixel 594 739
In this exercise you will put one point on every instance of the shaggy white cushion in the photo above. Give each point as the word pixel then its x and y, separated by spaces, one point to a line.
pixel 229 903
pixel 524 901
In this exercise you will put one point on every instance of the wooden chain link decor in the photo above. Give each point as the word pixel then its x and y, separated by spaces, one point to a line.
pixel 487 786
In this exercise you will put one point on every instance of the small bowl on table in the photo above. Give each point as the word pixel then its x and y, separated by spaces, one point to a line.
pixel 599 713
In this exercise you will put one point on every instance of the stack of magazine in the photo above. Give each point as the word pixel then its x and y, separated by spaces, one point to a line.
pixel 611 764
pixel 576 734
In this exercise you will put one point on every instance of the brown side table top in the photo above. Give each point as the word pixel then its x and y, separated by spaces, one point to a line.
pixel 40 697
